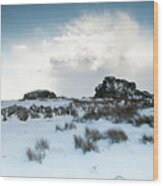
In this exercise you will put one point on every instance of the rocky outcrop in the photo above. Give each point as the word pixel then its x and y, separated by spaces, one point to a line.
pixel 39 94
pixel 112 87
pixel 34 112
pixel 22 113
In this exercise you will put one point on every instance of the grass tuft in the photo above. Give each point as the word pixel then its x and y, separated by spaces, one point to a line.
pixel 147 139
pixel 84 144
pixel 116 136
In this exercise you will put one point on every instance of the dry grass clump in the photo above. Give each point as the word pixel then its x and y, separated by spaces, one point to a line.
pixel 67 126
pixel 35 155
pixel 84 144
pixel 124 113
pixel 116 136
pixel 38 153
pixel 147 139
pixel 118 113
pixel 42 144
pixel 92 134
pixel 88 143
pixel 91 115
pixel 140 120
pixel 31 155
pixel 58 128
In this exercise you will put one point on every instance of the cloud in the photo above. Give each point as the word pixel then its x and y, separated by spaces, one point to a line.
pixel 89 48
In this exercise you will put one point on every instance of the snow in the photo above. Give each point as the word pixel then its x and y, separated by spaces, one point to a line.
pixel 129 160
pixel 146 112
pixel 27 103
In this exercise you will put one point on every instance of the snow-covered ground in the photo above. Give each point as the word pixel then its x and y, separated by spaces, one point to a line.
pixel 128 160
pixel 27 103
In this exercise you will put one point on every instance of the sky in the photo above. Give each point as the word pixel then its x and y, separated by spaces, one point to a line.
pixel 70 48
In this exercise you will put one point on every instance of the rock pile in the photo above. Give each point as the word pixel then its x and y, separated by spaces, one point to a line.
pixel 21 112
pixel 112 87
pixel 35 112
pixel 39 94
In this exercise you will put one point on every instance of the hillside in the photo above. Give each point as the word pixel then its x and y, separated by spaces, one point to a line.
pixel 105 137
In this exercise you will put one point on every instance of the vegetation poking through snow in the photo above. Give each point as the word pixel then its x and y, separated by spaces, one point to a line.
pixel 116 136
pixel 31 155
pixel 117 113
pixel 140 120
pixel 42 144
pixel 147 139
pixel 88 124
pixel 124 113
pixel 39 152
pixel 116 110
pixel 84 144
pixel 34 155
pixel 92 134
pixel 67 126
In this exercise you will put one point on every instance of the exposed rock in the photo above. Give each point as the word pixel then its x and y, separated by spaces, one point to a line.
pixel 41 109
pixel 120 88
pixel 12 110
pixel 39 94
pixel 21 112
pixel 34 111
pixel 34 108
pixel 48 112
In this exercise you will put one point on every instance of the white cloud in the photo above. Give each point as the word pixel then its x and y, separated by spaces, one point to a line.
pixel 89 48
